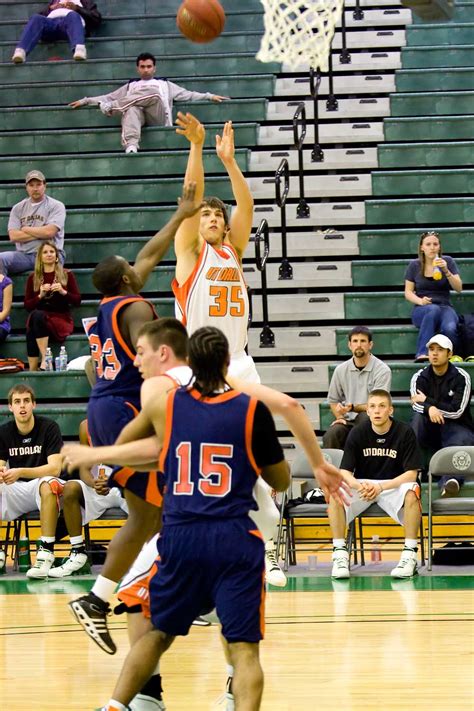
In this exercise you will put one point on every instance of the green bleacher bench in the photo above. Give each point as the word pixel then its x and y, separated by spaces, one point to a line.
pixel 68 417
pixel 70 385
pixel 452 56
pixel 451 79
pixel 431 103
pixel 423 182
pixel 419 211
pixel 95 140
pixel 389 305
pixel 455 240
pixel 37 117
pixel 433 128
pixel 15 347
pixel 389 341
pixel 402 374
pixel 444 34
pixel 417 155
pixel 391 272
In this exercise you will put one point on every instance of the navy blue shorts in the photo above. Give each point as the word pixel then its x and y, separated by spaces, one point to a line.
pixel 209 564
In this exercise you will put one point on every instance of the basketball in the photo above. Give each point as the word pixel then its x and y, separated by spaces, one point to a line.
pixel 201 20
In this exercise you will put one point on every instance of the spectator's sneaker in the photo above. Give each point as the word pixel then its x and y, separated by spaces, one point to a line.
pixel 19 56
pixel 451 488
pixel 274 575
pixel 131 148
pixel 340 563
pixel 469 359
pixel 76 564
pixel 91 612
pixel 142 702
pixel 3 569
pixel 43 564
pixel 407 566
pixel 80 53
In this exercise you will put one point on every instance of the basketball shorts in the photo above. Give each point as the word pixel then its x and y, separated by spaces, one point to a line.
pixel 134 587
pixel 207 564
pixel 21 497
pixel 391 501
pixel 95 504
pixel 242 366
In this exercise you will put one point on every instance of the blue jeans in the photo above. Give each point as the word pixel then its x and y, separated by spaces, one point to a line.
pixel 17 262
pixel 431 319
pixel 39 28
pixel 434 437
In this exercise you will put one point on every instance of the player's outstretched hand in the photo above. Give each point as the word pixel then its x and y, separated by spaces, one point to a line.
pixel 331 482
pixel 77 455
pixel 190 127
pixel 187 206
pixel 225 148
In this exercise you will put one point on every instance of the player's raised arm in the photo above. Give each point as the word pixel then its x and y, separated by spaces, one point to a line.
pixel 242 214
pixel 187 241
pixel 155 249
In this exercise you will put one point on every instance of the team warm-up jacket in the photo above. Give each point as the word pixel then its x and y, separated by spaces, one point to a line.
pixel 450 393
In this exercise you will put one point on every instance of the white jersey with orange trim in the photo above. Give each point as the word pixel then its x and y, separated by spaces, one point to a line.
pixel 215 294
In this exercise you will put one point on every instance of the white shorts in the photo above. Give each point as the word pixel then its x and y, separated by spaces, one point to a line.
pixel 95 504
pixel 21 497
pixel 267 516
pixel 133 589
pixel 391 501
pixel 242 366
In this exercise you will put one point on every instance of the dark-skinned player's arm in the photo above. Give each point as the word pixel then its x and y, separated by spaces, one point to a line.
pixel 277 475
pixel 155 249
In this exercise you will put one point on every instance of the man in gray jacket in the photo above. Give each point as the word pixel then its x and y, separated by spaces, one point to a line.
pixel 147 101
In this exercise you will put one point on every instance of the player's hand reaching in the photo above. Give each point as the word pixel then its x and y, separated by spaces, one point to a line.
pixel 77 455
pixel 190 127
pixel 225 148
pixel 187 206
pixel 331 482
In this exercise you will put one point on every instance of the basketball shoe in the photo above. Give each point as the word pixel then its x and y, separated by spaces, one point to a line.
pixel 43 564
pixel 274 575
pixel 150 697
pixel 340 563
pixel 226 700
pixel 76 564
pixel 91 612
pixel 407 566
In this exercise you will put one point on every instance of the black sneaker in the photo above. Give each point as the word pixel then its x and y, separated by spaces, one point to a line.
pixel 201 622
pixel 91 612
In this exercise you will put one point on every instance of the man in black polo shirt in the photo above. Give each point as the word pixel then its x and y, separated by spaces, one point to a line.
pixel 30 464
pixel 380 463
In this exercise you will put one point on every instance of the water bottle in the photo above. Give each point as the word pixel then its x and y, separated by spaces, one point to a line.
pixel 48 360
pixel 376 552
pixel 57 363
pixel 63 359
pixel 24 559
pixel 437 273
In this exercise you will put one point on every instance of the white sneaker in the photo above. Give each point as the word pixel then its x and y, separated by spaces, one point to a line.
pixel 76 563
pixel 407 566
pixel 80 53
pixel 19 56
pixel 44 561
pixel 274 575
pixel 340 563
pixel 142 702
pixel 2 562
pixel 131 148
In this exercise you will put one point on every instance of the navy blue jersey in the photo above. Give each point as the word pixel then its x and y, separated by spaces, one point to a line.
pixel 113 358
pixel 207 457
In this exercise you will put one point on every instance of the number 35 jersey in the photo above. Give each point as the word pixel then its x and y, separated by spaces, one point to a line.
pixel 215 294
pixel 113 358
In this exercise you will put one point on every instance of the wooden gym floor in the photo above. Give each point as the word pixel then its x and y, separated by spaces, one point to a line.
pixel 366 644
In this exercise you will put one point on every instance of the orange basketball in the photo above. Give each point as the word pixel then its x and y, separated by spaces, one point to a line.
pixel 201 20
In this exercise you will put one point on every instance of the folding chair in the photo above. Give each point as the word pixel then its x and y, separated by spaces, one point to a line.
pixel 454 461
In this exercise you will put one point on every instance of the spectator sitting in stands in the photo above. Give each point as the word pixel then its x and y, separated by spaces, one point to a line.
pixel 6 297
pixel 381 461
pixel 145 101
pixel 50 293
pixel 85 500
pixel 441 398
pixel 59 20
pixel 30 464
pixel 428 280
pixel 350 385
pixel 33 220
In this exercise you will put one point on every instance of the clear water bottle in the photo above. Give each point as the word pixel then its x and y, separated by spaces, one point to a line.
pixel 57 363
pixel 63 359
pixel 48 360
pixel 376 551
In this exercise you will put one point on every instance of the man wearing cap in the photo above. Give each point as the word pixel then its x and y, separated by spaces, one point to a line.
pixel 441 396
pixel 33 220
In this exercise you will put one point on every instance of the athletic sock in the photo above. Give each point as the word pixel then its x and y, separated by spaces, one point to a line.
pixel 76 541
pixel 47 542
pixel 115 706
pixel 153 687
pixel 104 588
pixel 339 543
pixel 229 669
pixel 411 543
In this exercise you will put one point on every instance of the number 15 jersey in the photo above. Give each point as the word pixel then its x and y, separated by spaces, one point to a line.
pixel 215 294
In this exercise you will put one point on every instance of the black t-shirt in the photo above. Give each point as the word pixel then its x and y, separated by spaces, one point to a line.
pixel 32 449
pixel 373 456
pixel 265 445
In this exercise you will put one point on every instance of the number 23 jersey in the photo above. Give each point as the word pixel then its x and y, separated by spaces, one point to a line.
pixel 215 294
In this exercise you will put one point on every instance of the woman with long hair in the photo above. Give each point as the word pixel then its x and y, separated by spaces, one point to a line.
pixel 428 281
pixel 50 293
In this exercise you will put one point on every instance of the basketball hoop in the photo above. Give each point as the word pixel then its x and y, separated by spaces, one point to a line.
pixel 299 32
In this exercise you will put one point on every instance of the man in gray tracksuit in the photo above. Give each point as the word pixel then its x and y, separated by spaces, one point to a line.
pixel 145 101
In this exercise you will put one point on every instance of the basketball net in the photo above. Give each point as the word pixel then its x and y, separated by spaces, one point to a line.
pixel 299 32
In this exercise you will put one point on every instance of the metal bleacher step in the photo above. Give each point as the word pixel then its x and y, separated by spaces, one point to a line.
pixel 312 244
pixel 343 84
pixel 361 60
pixel 362 108
pixel 431 127
pixel 294 341
pixel 456 240
pixel 305 275
pixel 301 377
pixel 340 131
pixel 299 307
pixel 349 185
pixel 321 214
pixel 420 57
pixel 334 158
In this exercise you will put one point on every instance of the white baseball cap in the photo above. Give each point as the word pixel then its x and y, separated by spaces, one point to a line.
pixel 442 341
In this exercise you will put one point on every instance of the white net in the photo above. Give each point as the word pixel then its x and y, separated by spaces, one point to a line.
pixel 299 32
